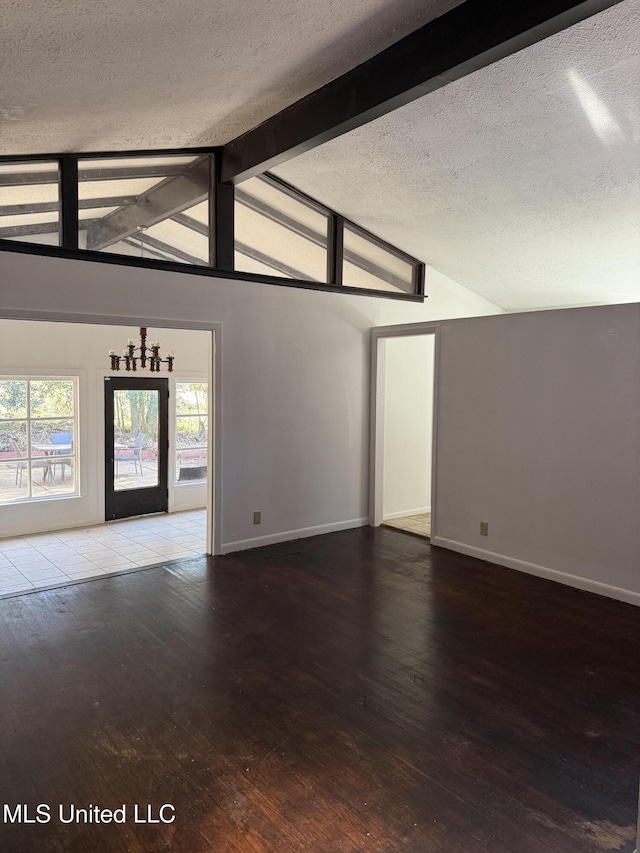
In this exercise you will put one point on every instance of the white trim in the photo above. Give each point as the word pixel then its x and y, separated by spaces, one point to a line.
pixel 78 376
pixel 388 516
pixel 379 334
pixel 290 535
pixel 576 581
pixel 185 486
pixel 376 429
pixel 437 350
pixel 214 453
pixel 405 330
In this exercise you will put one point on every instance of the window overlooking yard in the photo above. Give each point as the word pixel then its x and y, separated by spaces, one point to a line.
pixel 192 425
pixel 38 446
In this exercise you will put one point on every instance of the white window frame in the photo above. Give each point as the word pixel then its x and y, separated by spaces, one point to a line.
pixel 75 454
pixel 187 380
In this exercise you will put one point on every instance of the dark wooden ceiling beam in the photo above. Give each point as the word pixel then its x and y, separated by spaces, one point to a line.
pixel 468 37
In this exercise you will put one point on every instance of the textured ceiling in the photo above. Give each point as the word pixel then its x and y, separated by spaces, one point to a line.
pixel 521 181
pixel 82 76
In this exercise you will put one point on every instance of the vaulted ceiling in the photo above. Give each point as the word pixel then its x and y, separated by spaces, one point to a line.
pixel 116 75
pixel 520 181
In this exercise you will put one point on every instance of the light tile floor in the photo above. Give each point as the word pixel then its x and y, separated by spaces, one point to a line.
pixel 46 560
pixel 420 525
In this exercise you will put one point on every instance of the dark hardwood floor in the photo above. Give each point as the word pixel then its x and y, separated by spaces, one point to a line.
pixel 359 691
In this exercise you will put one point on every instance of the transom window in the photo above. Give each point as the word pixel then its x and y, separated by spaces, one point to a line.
pixel 168 210
pixel 30 207
pixel 277 232
pixel 154 207
pixel 38 438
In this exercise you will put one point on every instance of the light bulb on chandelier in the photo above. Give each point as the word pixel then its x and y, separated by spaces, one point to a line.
pixel 144 355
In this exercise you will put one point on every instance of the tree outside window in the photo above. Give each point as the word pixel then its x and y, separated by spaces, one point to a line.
pixel 38 438
pixel 192 430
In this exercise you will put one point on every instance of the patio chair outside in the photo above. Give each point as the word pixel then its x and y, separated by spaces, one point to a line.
pixel 22 464
pixel 62 438
pixel 132 454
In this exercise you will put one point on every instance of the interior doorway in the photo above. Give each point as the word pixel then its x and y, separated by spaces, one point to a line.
pixel 54 374
pixel 408 427
pixel 403 418
pixel 136 439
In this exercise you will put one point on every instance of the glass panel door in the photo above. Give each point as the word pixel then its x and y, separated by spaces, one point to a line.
pixel 136 446
pixel 135 425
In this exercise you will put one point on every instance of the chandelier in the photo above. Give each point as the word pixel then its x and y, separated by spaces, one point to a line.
pixel 147 354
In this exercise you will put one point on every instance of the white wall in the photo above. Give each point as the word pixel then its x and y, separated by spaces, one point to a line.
pixel 539 435
pixel 295 377
pixel 538 424
pixel 408 425
pixel 43 348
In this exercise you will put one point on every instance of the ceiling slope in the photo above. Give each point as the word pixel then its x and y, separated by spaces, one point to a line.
pixel 80 76
pixel 520 181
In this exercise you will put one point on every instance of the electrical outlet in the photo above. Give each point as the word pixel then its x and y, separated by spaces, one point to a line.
pixel 484 528
pixel 257 518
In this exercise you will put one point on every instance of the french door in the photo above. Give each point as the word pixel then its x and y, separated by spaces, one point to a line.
pixel 136 431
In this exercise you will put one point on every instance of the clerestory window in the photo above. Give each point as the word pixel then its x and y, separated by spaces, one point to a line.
pixel 167 209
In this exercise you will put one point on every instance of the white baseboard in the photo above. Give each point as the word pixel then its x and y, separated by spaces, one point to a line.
pixel 388 516
pixel 576 581
pixel 289 535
